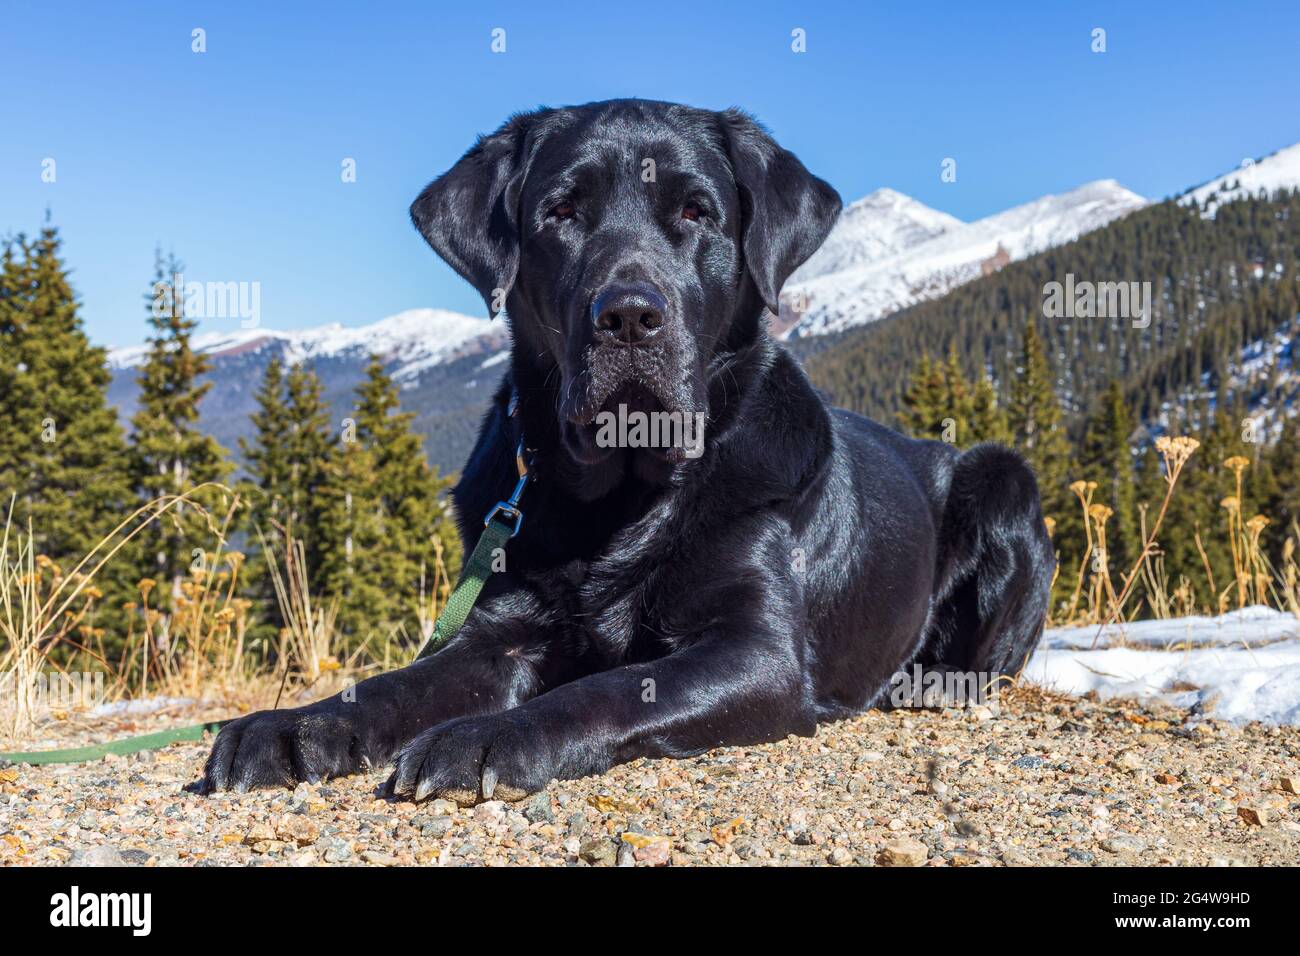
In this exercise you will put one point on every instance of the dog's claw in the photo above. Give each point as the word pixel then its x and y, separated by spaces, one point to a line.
pixel 425 788
pixel 470 760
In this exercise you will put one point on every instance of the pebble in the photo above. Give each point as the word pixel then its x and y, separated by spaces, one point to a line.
pixel 538 809
pixel 1123 843
pixel 903 852
pixel 1128 760
pixel 597 852
pixel 1255 816
pixel 97 856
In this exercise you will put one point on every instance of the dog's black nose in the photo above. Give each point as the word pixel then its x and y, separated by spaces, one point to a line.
pixel 628 315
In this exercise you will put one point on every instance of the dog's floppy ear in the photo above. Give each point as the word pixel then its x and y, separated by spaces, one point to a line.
pixel 786 210
pixel 469 213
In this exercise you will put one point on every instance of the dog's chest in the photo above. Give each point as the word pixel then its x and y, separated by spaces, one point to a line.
pixel 612 608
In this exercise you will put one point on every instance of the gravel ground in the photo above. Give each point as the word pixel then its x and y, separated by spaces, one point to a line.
pixel 1046 781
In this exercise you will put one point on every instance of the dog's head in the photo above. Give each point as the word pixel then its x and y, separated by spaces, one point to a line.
pixel 630 243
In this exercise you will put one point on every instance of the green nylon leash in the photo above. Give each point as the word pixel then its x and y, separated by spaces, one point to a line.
pixel 501 524
pixel 120 748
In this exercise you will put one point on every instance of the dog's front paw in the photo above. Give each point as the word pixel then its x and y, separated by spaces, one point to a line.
pixel 472 759
pixel 279 748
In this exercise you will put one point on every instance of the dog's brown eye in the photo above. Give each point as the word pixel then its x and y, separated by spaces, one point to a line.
pixel 561 210
pixel 692 211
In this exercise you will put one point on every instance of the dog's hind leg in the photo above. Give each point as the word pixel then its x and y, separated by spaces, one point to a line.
pixel 995 567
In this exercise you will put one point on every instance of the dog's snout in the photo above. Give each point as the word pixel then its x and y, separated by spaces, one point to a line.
pixel 628 315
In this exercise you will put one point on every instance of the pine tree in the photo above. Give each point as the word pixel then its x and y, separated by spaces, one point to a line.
pixel 357 552
pixel 172 456
pixel 411 494
pixel 307 462
pixel 62 453
pixel 1034 420
pixel 924 400
pixel 1108 460
pixel 381 487
pixel 988 420
pixel 1283 505
pixel 266 490
pixel 959 406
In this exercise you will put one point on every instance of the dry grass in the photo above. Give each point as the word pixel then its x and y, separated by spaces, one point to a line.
pixel 195 645
pixel 1148 586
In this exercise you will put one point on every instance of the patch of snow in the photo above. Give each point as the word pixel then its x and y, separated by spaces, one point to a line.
pixel 1240 666
pixel 120 708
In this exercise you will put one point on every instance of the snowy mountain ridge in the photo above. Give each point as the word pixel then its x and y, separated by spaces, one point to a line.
pixel 889 251
pixel 1279 170
pixel 410 342
pixel 841 290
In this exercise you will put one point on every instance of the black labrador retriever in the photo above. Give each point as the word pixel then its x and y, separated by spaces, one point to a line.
pixel 660 599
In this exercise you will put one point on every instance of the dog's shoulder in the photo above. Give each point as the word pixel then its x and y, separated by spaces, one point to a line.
pixel 782 439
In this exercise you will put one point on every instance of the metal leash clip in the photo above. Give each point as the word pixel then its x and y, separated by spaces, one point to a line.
pixel 510 507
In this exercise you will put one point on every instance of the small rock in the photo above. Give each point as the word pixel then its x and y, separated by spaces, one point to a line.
pixel 903 852
pixel 1123 843
pixel 625 856
pixel 1029 762
pixel 1128 759
pixel 103 855
pixel 490 812
pixel 538 808
pixel 651 851
pixel 841 857
pixel 598 851
pixel 1080 856
pixel 336 850
pixel 1256 817
pixel 297 829
pixel 88 820
pixel 1287 784
pixel 434 827
pixel 259 832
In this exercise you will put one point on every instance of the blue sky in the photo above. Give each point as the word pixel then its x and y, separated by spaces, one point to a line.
pixel 232 157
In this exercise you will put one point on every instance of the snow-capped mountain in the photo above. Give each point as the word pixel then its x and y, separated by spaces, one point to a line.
pixel 447 364
pixel 409 342
pixel 889 251
pixel 875 227
pixel 1280 170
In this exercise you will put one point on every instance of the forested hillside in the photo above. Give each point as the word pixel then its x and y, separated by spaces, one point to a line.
pixel 1218 285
